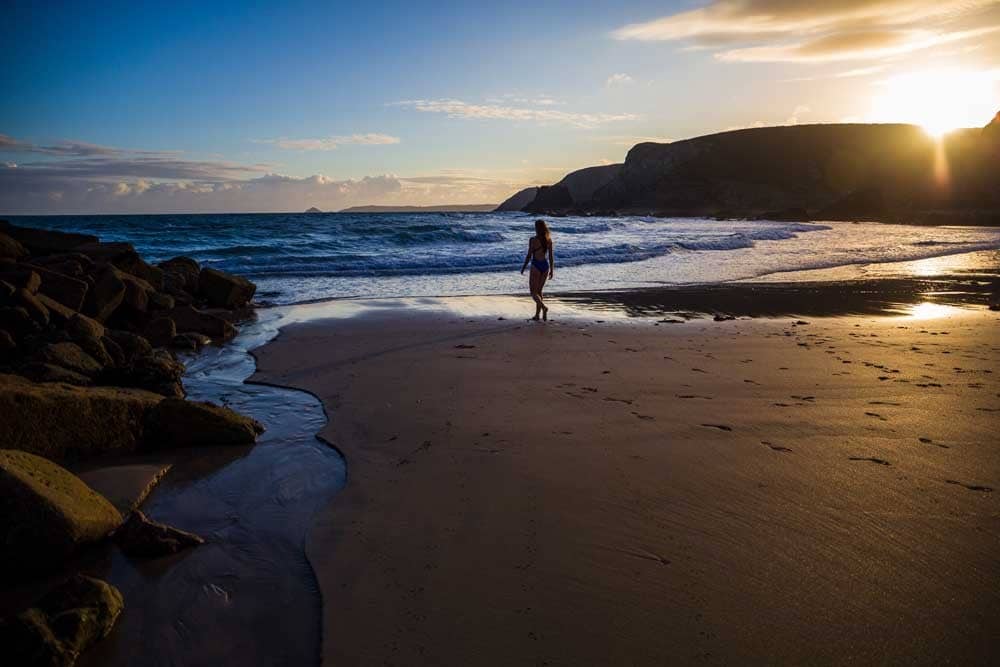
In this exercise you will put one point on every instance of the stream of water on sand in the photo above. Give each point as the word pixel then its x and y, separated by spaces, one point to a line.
pixel 248 596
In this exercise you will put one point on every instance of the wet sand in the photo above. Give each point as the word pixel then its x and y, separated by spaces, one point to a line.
pixel 771 490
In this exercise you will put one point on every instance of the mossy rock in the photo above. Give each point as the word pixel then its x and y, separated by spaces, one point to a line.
pixel 46 513
pixel 178 423
pixel 63 422
pixel 67 620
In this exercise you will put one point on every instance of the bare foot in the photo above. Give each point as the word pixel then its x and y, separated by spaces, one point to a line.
pixel 545 313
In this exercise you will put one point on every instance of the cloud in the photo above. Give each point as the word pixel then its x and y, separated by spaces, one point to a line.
pixel 332 142
pixel 794 31
pixel 460 109
pixel 619 79
pixel 799 111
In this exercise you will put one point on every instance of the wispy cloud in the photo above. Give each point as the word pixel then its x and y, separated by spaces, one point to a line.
pixel 332 142
pixel 619 79
pixel 791 31
pixel 460 109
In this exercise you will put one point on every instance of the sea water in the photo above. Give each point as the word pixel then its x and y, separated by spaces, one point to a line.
pixel 295 258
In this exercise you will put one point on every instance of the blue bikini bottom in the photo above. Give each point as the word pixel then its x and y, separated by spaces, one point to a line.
pixel 541 264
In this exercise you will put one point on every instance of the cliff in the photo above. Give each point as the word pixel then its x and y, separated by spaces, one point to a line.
pixel 837 171
pixel 518 201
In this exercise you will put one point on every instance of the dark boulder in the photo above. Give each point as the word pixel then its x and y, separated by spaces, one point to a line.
pixel 68 620
pixel 131 345
pixel 71 357
pixel 180 274
pixel 35 309
pixel 62 422
pixel 42 372
pixel 21 276
pixel 68 263
pixel 59 314
pixel 141 537
pixel 106 295
pixel 18 322
pixel 189 319
pixel 11 247
pixel 137 292
pixel 46 512
pixel 161 301
pixel 160 331
pixel 67 290
pixel 157 371
pixel 224 290
pixel 44 241
pixel 81 326
pixel 178 423
pixel 190 341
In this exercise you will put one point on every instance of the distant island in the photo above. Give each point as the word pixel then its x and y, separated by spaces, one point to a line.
pixel 886 172
pixel 313 210
pixel 441 208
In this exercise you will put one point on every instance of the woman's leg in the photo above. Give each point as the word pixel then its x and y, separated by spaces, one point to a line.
pixel 535 282
pixel 541 285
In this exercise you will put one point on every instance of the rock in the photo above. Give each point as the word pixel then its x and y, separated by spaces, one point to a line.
pixel 7 344
pixel 161 301
pixel 35 309
pixel 11 247
pixel 178 423
pixel 67 621
pixel 151 274
pixel 114 351
pixel 18 322
pixel 6 292
pixel 64 422
pixel 43 372
pixel 224 290
pixel 131 345
pixel 190 341
pixel 22 276
pixel 137 292
pixel 44 241
pixel 67 290
pixel 189 319
pixel 107 294
pixel 95 348
pixel 156 371
pixel 59 314
pixel 68 263
pixel 181 273
pixel 70 356
pixel 81 326
pixel 161 331
pixel 46 512
pixel 141 537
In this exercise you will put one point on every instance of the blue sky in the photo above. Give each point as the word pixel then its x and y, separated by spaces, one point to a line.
pixel 136 107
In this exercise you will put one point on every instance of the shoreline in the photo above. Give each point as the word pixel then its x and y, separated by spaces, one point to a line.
pixel 395 578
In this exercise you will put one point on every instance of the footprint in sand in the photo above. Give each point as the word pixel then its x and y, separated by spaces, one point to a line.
pixel 721 427
pixel 590 389
pixel 884 403
pixel 698 370
pixel 464 346
pixel 644 417
pixel 707 398
pixel 872 459
pixel 970 487
pixel 876 416
pixel 777 448
pixel 928 441
pixel 626 401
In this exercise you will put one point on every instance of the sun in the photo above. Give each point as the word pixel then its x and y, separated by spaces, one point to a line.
pixel 938 100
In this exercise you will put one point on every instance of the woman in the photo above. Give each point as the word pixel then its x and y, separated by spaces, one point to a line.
pixel 542 266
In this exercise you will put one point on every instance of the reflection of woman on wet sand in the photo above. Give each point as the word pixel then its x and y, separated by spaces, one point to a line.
pixel 542 266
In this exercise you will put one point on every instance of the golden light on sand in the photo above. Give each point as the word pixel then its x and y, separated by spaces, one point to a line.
pixel 937 100
pixel 929 311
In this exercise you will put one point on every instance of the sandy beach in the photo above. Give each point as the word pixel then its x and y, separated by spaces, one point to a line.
pixel 633 492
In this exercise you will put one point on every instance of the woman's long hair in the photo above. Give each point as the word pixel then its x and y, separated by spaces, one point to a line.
pixel 543 234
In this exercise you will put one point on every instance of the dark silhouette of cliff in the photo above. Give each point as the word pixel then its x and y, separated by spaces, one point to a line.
pixel 837 171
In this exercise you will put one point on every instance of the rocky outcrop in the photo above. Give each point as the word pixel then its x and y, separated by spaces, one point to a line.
pixel 11 248
pixel 63 422
pixel 574 191
pixel 141 537
pixel 188 319
pixel 551 199
pixel 68 620
pixel 178 423
pixel 46 512
pixel 44 241
pixel 518 200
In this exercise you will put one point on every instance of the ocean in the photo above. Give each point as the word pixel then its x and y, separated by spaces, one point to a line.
pixel 304 257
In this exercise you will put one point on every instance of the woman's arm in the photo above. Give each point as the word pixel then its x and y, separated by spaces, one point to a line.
pixel 527 258
pixel 552 261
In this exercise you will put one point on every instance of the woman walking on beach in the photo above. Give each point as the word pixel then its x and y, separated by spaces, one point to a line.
pixel 542 266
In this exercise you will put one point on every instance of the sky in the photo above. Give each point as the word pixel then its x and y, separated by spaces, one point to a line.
pixel 227 107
